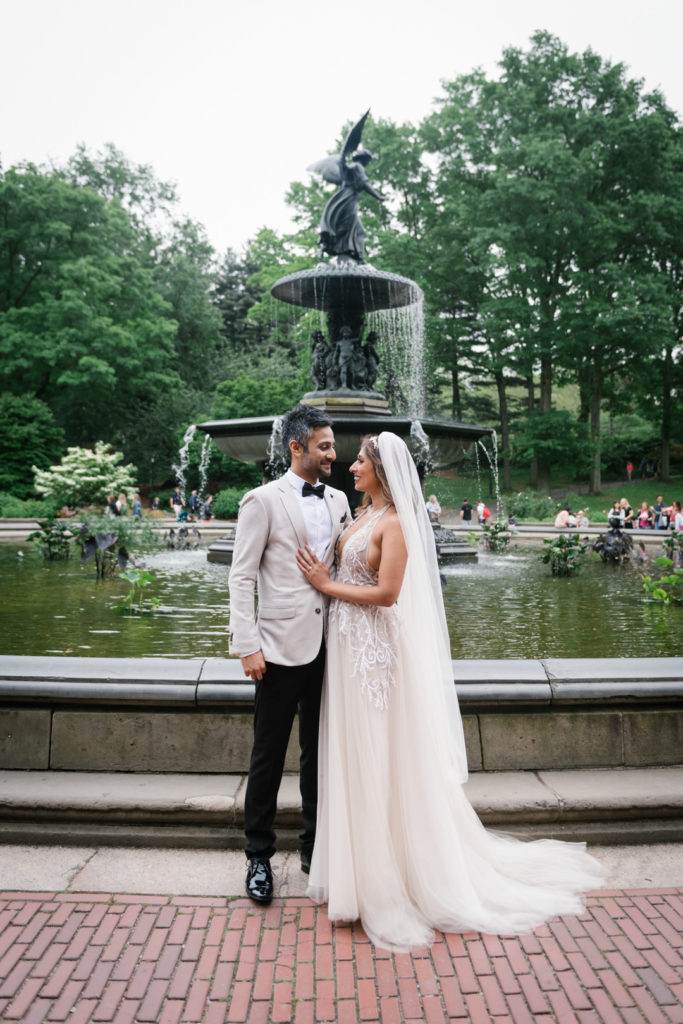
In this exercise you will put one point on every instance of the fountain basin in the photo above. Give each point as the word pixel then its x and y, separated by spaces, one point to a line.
pixel 247 439
pixel 345 284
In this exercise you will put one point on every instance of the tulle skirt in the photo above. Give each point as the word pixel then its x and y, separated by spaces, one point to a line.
pixel 398 844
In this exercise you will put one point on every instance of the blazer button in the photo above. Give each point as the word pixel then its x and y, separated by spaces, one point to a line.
pixel 317 611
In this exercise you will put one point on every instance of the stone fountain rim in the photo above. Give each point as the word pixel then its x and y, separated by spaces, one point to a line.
pixel 386 290
pixel 346 424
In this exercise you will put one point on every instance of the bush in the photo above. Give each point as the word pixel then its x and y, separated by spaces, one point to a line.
pixel 30 437
pixel 12 507
pixel 226 503
pixel 86 476
pixel 531 505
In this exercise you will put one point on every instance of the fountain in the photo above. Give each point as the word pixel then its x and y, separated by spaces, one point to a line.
pixel 350 356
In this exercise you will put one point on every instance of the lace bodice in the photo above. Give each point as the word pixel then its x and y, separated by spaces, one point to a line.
pixel 370 631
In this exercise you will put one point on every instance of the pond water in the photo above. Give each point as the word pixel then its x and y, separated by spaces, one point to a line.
pixel 504 606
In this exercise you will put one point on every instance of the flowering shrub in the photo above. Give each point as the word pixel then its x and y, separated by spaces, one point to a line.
pixel 86 476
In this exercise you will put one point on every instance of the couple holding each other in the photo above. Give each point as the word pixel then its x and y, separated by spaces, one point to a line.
pixel 397 843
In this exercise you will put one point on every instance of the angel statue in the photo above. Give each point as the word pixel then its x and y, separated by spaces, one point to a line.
pixel 341 232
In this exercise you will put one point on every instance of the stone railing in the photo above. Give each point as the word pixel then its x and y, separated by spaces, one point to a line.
pixel 168 715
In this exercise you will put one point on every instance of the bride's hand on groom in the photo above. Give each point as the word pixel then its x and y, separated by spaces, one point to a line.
pixel 315 571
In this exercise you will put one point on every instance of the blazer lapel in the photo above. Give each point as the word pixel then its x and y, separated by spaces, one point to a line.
pixel 336 510
pixel 291 506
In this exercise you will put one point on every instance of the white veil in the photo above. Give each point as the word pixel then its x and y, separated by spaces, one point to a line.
pixel 423 627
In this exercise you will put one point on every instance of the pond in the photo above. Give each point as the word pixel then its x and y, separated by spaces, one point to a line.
pixel 504 606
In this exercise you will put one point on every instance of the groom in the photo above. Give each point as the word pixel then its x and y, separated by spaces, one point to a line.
pixel 282 647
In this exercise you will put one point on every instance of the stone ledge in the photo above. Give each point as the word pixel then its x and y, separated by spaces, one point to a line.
pixel 622 805
pixel 170 681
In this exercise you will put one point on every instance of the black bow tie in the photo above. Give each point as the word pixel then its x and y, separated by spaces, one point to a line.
pixel 308 489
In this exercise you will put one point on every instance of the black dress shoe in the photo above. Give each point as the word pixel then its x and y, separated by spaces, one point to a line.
pixel 259 880
pixel 305 862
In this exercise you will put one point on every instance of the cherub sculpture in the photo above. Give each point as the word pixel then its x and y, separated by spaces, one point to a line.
pixel 341 232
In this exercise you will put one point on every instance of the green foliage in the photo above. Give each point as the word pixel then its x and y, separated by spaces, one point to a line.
pixel 245 396
pixel 227 502
pixel 531 505
pixel 565 554
pixel 553 436
pixel 86 477
pixel 138 579
pixel 53 539
pixel 668 588
pixel 30 437
pixel 495 537
pixel 82 325
pixel 31 508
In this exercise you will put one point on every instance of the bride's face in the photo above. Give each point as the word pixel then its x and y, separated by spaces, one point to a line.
pixel 364 476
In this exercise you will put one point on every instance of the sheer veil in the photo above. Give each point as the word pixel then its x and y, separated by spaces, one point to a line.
pixel 423 618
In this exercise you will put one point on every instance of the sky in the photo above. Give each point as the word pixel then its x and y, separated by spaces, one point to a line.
pixel 232 99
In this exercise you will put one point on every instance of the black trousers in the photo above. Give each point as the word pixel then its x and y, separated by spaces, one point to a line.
pixel 284 692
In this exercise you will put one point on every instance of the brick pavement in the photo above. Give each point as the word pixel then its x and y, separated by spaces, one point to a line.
pixel 97 958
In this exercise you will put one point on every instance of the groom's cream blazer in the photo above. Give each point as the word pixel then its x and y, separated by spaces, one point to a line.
pixel 289 622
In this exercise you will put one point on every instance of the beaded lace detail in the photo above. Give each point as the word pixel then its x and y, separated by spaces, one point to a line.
pixel 371 631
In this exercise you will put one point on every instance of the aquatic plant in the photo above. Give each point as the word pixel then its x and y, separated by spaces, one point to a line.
pixel 565 554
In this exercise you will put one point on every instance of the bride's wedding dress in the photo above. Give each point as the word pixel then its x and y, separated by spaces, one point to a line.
pixel 398 845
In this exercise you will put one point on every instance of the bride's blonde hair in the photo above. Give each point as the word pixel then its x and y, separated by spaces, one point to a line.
pixel 369 446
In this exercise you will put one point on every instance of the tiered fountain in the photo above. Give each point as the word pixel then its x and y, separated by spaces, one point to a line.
pixel 346 358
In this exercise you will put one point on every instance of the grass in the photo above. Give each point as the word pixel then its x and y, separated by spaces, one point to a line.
pixel 451 492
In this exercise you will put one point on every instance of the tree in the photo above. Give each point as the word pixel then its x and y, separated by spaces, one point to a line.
pixel 549 164
pixel 29 437
pixel 82 326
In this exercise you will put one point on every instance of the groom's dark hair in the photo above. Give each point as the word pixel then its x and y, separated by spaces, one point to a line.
pixel 299 423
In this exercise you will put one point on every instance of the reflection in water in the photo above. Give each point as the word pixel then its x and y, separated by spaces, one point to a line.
pixel 504 606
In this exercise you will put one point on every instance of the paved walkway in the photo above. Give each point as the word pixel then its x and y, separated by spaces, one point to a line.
pixel 82 957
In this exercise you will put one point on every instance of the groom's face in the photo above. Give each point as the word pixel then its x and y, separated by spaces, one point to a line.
pixel 315 460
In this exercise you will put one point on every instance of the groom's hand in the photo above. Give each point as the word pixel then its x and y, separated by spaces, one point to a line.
pixel 254 665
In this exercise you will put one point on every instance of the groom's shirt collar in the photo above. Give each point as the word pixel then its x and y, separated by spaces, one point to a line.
pixel 316 516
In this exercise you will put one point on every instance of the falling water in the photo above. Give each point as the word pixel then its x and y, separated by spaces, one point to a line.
pixel 184 459
pixel 401 348
pixel 493 465
pixel 276 463
pixel 204 463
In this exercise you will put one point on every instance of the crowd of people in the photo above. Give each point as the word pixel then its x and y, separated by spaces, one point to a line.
pixel 647 517
pixel 192 509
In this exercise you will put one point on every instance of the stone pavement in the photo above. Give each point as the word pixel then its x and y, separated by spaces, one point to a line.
pixel 82 956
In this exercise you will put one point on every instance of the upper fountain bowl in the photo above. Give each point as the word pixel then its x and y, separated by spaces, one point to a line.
pixel 345 283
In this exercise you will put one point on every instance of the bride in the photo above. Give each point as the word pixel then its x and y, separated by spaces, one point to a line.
pixel 398 845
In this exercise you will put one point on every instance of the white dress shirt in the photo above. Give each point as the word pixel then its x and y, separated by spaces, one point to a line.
pixel 316 516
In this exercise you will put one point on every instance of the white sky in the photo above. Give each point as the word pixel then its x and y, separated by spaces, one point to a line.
pixel 231 99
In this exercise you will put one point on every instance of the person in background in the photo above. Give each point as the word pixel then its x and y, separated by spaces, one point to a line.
pixel 466 511
pixel 582 520
pixel 480 512
pixel 676 516
pixel 122 505
pixel 176 502
pixel 627 521
pixel 112 508
pixel 629 470
pixel 433 509
pixel 564 519
pixel 137 507
pixel 207 512
pixel 155 504
pixel 657 509
pixel 644 517
pixel 614 516
pixel 193 504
